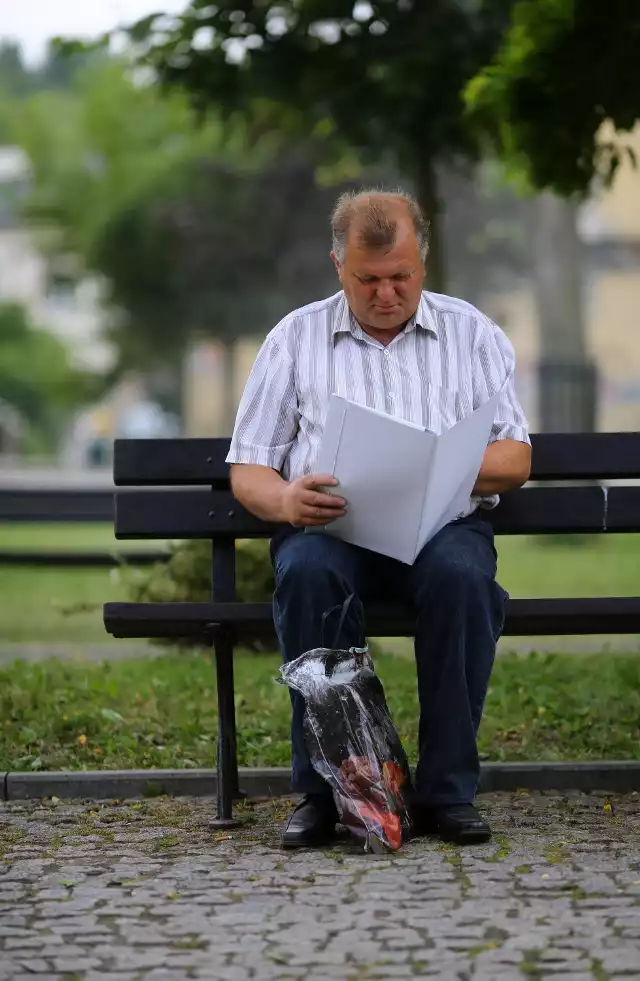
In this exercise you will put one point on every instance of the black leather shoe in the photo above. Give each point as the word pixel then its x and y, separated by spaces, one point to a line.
pixel 458 823
pixel 313 823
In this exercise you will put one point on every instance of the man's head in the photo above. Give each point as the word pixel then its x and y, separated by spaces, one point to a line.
pixel 379 250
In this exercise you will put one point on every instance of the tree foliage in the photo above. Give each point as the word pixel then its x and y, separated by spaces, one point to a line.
pixel 385 77
pixel 197 227
pixel 97 145
pixel 216 249
pixel 36 376
pixel 566 68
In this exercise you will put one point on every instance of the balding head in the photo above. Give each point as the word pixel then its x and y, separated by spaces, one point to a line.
pixel 375 220
pixel 379 248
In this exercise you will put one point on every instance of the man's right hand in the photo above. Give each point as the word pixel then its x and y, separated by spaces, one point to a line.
pixel 303 505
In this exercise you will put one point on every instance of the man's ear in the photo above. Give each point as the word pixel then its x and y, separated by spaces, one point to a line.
pixel 337 264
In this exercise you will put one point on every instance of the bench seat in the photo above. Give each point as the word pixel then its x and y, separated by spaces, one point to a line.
pixel 253 621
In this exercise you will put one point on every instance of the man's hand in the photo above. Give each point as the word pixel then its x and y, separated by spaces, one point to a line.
pixel 304 505
pixel 299 503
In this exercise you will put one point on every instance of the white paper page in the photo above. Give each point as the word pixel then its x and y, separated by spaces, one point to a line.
pixel 456 464
pixel 381 464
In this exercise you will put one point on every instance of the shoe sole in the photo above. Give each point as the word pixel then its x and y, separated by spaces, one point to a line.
pixel 467 838
pixel 289 845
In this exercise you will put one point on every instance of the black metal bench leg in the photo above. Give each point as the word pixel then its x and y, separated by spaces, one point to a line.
pixel 227 758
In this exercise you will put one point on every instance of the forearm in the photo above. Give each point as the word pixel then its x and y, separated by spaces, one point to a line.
pixel 260 490
pixel 506 464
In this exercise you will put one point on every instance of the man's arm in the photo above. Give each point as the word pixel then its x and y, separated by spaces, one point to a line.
pixel 507 459
pixel 506 464
pixel 263 492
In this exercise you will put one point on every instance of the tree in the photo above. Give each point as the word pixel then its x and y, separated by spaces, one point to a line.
pixel 565 75
pixel 15 78
pixel 102 153
pixel 36 376
pixel 385 77
pixel 196 230
pixel 217 250
pixel 565 69
pixel 94 147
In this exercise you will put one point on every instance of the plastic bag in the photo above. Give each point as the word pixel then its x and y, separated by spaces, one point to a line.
pixel 352 741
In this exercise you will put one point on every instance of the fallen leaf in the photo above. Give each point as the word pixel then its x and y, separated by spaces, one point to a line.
pixel 545 875
pixel 111 715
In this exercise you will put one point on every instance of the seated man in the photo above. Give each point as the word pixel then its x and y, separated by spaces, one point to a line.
pixel 430 359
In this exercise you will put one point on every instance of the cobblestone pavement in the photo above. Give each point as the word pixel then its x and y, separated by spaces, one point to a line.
pixel 145 890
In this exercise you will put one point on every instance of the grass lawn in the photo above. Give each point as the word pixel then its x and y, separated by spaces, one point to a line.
pixel 36 601
pixel 58 536
pixel 56 605
pixel 162 711
pixel 42 604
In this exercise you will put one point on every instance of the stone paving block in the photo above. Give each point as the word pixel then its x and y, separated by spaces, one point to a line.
pixel 33 965
pixel 27 976
pixel 75 965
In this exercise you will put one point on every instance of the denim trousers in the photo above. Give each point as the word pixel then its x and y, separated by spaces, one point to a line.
pixel 459 610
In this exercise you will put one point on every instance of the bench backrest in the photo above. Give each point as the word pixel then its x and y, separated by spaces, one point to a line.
pixel 182 492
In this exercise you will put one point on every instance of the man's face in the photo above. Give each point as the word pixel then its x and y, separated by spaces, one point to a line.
pixel 383 287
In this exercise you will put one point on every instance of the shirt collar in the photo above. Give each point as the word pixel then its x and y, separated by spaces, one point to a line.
pixel 345 322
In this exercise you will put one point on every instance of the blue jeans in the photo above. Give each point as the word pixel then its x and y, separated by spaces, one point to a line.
pixel 459 617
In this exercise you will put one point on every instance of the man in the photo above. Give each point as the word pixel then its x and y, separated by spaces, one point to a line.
pixel 430 359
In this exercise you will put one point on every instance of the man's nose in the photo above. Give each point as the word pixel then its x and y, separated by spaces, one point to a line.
pixel 386 291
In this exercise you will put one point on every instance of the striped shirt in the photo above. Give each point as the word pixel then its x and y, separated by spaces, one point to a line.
pixel 448 360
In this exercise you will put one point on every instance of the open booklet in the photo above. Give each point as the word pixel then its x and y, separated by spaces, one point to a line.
pixel 402 482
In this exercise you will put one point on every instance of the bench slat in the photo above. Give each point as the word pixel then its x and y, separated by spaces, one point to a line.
pixel 202 513
pixel 187 513
pixel 586 456
pixel 61 504
pixel 170 461
pixel 622 508
pixel 253 621
pixel 556 456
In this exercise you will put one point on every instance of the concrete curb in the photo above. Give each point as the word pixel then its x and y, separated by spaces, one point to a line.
pixel 104 784
pixel 613 776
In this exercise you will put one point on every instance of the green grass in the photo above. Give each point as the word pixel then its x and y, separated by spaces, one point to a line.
pixel 59 536
pixel 162 711
pixel 55 605
pixel 593 565
pixel 42 604
pixel 35 600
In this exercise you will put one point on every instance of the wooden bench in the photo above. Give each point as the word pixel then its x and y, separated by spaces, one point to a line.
pixel 182 492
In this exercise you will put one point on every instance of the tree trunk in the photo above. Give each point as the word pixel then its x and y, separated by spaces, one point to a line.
pixel 566 374
pixel 229 405
pixel 426 182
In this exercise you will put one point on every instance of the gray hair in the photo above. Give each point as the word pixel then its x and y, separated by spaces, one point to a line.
pixel 377 221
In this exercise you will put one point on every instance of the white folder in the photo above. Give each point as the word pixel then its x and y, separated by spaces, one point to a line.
pixel 402 482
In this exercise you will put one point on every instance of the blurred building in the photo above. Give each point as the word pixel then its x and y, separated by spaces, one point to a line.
pixel 49 288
